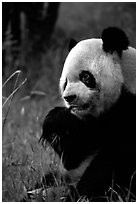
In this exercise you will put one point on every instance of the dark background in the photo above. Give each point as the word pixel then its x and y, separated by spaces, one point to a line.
pixel 35 39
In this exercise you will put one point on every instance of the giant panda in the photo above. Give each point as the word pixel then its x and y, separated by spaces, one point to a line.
pixel 94 132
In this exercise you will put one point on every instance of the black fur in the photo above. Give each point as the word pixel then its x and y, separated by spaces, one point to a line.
pixel 66 132
pixel 114 39
pixel 113 133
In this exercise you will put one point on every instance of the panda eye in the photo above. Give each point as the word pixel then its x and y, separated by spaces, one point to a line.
pixel 65 84
pixel 88 79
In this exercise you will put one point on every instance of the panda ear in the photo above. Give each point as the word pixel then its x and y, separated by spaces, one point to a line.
pixel 72 44
pixel 114 39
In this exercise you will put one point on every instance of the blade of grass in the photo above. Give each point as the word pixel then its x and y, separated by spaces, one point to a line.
pixel 129 190
pixel 12 94
pixel 15 89
pixel 16 72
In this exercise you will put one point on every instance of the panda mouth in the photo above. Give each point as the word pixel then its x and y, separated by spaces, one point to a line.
pixel 75 108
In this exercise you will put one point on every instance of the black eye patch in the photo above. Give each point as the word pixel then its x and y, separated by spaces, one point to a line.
pixel 65 84
pixel 88 79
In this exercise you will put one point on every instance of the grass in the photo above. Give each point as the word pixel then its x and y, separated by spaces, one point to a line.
pixel 24 160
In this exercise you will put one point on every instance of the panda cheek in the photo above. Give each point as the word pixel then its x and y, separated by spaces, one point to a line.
pixel 85 96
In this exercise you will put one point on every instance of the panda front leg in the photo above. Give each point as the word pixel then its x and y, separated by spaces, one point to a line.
pixel 61 130
pixel 69 135
pixel 97 179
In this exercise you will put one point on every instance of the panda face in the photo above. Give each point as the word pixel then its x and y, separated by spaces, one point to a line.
pixel 91 80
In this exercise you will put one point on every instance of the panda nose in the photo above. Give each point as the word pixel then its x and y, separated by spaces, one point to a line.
pixel 70 98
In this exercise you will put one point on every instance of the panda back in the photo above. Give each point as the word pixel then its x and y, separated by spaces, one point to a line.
pixel 128 63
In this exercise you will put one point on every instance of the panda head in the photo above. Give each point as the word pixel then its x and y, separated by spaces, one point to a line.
pixel 92 79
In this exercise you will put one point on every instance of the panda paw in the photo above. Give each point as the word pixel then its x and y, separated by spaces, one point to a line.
pixel 58 122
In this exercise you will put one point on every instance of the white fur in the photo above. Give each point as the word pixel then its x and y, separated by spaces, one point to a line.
pixel 128 65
